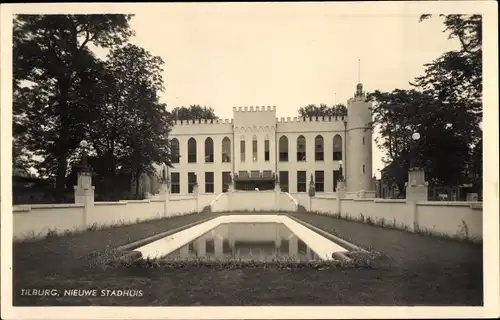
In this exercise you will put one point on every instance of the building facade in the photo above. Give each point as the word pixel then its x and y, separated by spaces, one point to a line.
pixel 257 150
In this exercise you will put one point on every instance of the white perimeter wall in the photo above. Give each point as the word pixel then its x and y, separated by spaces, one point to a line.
pixel 449 218
pixel 37 220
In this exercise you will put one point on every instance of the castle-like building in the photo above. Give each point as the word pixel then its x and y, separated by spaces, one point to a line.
pixel 255 149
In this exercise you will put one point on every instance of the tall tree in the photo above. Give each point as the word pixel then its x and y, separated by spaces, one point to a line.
pixel 322 110
pixel 445 107
pixel 52 61
pixel 193 112
pixel 134 126
pixel 441 148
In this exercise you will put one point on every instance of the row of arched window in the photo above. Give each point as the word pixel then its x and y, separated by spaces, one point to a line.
pixel 283 146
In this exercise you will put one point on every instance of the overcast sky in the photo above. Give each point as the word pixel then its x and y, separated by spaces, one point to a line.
pixel 288 56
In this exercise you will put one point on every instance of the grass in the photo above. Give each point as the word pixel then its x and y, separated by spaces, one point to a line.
pixel 415 270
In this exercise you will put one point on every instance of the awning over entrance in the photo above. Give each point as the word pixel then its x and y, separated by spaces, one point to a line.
pixel 255 175
pixel 264 180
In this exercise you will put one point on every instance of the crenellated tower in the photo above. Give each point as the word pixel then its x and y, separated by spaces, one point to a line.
pixel 359 143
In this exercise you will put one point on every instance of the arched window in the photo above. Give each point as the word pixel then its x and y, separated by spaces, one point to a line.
pixel 301 148
pixel 283 148
pixel 266 149
pixel 319 148
pixel 226 150
pixel 174 150
pixel 254 148
pixel 242 148
pixel 209 150
pixel 337 148
pixel 191 150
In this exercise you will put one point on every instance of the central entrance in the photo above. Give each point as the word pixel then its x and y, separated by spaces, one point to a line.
pixel 265 180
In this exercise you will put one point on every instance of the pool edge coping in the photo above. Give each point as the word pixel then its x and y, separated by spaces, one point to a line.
pixel 127 251
pixel 339 255
pixel 339 241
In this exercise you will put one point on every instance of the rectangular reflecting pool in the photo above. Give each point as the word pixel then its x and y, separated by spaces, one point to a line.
pixel 247 241
pixel 244 237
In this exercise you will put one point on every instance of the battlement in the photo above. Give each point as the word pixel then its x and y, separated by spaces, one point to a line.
pixel 311 119
pixel 254 109
pixel 202 121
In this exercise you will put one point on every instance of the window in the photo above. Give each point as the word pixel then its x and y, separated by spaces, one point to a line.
pixel 336 177
pixel 243 174
pixel 318 144
pixel 209 150
pixel 301 181
pixel 174 150
pixel 191 150
pixel 242 149
pixel 283 148
pixel 175 178
pixel 363 168
pixel 337 148
pixel 226 150
pixel 363 140
pixel 301 148
pixel 226 181
pixel 209 182
pixel 319 179
pixel 283 177
pixel 254 148
pixel 191 181
pixel 266 149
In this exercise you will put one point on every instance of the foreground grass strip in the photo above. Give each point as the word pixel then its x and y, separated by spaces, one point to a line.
pixel 232 263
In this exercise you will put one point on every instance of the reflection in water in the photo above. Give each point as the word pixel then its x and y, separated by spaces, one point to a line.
pixel 247 241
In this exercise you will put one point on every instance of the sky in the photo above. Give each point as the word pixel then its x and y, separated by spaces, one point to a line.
pixel 288 56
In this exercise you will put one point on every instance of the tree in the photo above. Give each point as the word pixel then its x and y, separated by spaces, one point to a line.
pixel 133 126
pixel 441 148
pixel 445 107
pixel 322 110
pixel 456 79
pixel 52 66
pixel 194 112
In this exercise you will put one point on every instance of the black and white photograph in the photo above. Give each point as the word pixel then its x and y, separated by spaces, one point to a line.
pixel 258 160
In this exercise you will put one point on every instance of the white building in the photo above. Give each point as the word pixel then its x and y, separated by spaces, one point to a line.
pixel 255 147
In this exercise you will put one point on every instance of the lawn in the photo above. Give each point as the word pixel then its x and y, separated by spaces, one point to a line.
pixel 418 270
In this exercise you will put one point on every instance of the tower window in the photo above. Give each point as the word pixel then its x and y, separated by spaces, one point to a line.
pixel 363 168
pixel 266 149
pixel 363 140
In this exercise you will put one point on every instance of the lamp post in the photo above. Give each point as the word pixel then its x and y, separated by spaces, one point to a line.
pixel 341 177
pixel 84 144
pixel 312 191
pixel 195 190
pixel 413 162
pixel 344 153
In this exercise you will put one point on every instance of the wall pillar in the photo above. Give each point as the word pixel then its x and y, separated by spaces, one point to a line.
pixel 416 190
pixel 84 194
pixel 340 194
pixel 293 246
pixel 218 246
pixel 184 250
pixel 230 193
pixel 277 191
pixel 164 191
pixel 201 247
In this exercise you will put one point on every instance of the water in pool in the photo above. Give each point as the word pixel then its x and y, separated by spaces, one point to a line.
pixel 247 241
